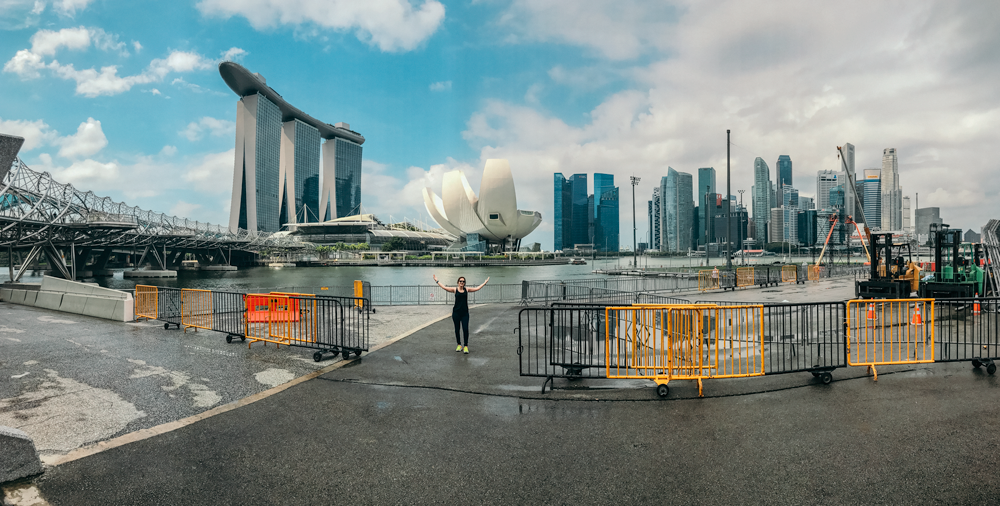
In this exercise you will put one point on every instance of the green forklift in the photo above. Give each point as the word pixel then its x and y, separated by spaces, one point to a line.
pixel 958 268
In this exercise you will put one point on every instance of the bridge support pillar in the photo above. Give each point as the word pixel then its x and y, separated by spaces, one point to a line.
pixel 101 262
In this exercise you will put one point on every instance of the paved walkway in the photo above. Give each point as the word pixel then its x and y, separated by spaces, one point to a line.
pixel 416 422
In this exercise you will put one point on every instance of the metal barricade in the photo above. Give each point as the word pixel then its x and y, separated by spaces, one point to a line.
pixel 789 274
pixel 805 337
pixel 744 277
pixel 146 302
pixel 169 306
pixel 968 329
pixel 814 272
pixel 708 280
pixel 890 331
pixel 322 323
pixel 561 342
pixel 196 309
pixel 694 342
pixel 229 312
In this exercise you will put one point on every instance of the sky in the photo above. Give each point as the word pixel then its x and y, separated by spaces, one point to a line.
pixel 125 98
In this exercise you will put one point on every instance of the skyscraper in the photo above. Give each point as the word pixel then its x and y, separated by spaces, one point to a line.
pixel 579 234
pixel 789 215
pixel 784 171
pixel 826 179
pixel 298 177
pixel 761 198
pixel 605 205
pixel 676 210
pixel 341 192
pixel 562 213
pixel 276 178
pixel 892 194
pixel 907 223
pixel 606 223
pixel 654 221
pixel 706 186
pixel 873 199
pixel 255 205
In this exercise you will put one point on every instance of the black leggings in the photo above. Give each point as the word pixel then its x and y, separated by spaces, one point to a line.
pixel 464 321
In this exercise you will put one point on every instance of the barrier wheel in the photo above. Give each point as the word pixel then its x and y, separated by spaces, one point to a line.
pixel 318 356
pixel 229 339
pixel 662 390
pixel 357 353
pixel 826 378
pixel 976 363
pixel 992 368
pixel 346 354
pixel 815 374
pixel 166 326
pixel 243 338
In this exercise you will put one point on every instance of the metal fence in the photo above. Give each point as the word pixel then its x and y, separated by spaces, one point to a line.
pixel 573 341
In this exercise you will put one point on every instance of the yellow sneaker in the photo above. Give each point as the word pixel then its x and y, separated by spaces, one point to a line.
pixel 466 350
pixel 459 348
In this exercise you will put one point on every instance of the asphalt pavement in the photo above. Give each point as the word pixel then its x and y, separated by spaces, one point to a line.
pixel 415 423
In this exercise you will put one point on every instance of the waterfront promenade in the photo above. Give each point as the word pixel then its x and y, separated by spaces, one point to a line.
pixel 415 422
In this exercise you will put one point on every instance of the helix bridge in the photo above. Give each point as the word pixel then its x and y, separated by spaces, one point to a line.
pixel 41 216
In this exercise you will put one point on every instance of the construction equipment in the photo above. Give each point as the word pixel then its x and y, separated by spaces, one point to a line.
pixel 991 243
pixel 958 267
pixel 894 275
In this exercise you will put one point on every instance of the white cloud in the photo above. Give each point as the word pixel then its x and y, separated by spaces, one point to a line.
pixel 47 42
pixel 213 173
pixel 36 133
pixel 168 150
pixel 441 86
pixel 184 209
pixel 69 7
pixel 234 54
pixel 87 174
pixel 137 46
pixel 391 25
pixel 88 140
pixel 90 82
pixel 787 78
pixel 216 127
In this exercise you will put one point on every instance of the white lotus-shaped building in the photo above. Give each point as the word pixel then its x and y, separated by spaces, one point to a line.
pixel 494 215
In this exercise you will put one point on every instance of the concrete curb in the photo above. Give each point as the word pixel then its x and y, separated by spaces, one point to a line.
pixel 19 456
pixel 139 435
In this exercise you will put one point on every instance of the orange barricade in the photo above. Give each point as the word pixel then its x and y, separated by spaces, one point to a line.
pixel 146 302
pixel 278 318
pixel 890 331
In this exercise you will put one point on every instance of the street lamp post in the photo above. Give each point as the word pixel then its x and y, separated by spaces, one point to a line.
pixel 729 213
pixel 635 254
pixel 705 214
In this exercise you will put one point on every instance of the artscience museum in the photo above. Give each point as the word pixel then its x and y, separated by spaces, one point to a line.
pixel 490 222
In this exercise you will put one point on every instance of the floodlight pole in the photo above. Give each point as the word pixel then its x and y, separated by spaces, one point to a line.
pixel 635 253
pixel 729 213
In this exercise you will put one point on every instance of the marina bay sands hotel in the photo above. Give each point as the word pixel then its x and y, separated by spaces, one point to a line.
pixel 276 177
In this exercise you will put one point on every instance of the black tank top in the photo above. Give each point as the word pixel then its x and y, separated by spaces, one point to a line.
pixel 461 303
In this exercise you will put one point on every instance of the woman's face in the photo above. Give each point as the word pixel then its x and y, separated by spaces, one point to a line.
pixel 461 282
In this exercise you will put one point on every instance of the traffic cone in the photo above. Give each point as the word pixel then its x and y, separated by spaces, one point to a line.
pixel 871 312
pixel 917 319
pixel 976 308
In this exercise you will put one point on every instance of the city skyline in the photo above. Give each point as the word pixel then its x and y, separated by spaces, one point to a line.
pixel 112 97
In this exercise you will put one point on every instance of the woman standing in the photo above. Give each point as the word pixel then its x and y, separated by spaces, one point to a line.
pixel 460 313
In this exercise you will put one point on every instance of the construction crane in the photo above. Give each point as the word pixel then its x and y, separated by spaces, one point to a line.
pixel 858 210
pixel 833 223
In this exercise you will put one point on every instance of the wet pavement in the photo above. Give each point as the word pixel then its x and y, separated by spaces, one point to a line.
pixel 415 422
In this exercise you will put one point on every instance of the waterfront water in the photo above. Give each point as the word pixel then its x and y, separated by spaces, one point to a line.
pixel 267 277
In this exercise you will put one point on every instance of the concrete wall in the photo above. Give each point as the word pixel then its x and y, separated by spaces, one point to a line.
pixel 76 298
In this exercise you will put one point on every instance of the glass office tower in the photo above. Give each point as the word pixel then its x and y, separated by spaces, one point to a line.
pixel 255 204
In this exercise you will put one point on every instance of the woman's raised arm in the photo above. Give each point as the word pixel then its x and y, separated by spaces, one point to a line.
pixel 477 288
pixel 446 288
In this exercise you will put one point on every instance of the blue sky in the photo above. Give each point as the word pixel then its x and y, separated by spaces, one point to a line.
pixel 124 98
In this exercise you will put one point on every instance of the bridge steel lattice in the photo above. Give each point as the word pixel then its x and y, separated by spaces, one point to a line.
pixel 43 216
